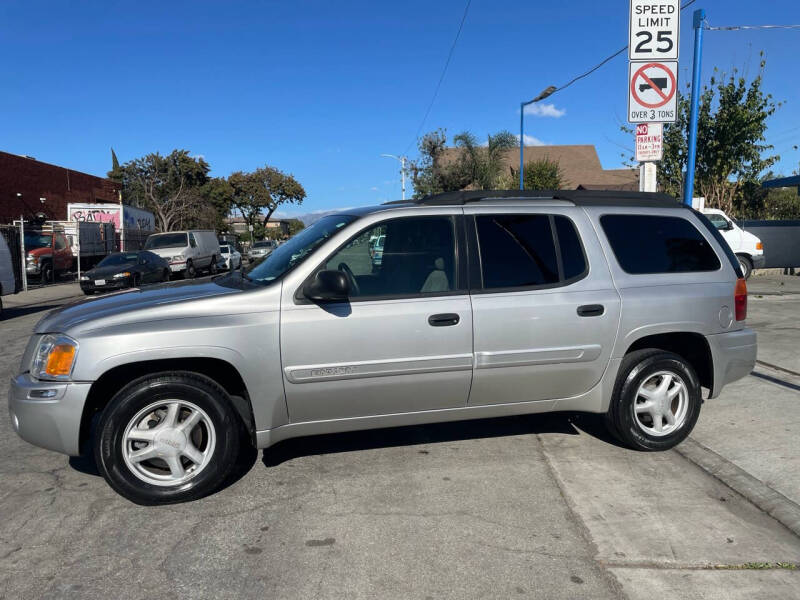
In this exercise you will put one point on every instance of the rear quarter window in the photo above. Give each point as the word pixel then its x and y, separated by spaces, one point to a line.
pixel 644 244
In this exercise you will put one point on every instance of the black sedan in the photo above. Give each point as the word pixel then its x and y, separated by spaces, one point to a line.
pixel 123 270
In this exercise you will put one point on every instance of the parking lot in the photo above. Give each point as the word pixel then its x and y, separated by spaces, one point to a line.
pixel 544 506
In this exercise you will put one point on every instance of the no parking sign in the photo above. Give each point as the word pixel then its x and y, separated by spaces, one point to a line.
pixel 652 92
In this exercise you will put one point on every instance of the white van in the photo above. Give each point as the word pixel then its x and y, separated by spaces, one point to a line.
pixel 747 247
pixel 187 251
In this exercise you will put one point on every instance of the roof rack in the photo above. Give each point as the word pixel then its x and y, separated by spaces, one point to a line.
pixel 577 197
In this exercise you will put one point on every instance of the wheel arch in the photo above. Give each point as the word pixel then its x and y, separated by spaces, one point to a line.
pixel 114 379
pixel 691 346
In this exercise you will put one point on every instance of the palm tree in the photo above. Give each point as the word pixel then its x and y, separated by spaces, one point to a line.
pixel 481 166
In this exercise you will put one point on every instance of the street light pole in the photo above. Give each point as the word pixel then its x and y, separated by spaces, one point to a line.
pixel 544 94
pixel 402 160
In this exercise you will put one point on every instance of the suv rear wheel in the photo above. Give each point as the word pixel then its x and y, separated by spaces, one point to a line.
pixel 656 400
pixel 168 437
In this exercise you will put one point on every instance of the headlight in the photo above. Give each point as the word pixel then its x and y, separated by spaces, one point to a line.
pixel 122 275
pixel 32 259
pixel 84 278
pixel 177 259
pixel 54 357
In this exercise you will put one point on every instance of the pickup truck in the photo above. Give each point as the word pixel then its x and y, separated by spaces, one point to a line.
pixel 47 253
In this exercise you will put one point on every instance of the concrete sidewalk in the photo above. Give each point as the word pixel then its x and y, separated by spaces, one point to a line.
pixel 42 295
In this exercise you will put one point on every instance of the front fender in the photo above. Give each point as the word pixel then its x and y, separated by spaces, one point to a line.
pixel 248 342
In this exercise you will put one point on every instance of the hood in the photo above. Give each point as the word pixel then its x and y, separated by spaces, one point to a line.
pixel 109 271
pixel 154 303
pixel 167 252
pixel 749 239
pixel 46 251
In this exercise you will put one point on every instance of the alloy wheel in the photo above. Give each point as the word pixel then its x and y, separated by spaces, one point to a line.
pixel 661 404
pixel 168 442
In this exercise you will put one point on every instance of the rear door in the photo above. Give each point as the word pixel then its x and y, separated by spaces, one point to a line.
pixel 545 310
pixel 403 341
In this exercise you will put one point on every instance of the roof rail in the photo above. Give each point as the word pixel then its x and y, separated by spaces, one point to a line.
pixel 577 197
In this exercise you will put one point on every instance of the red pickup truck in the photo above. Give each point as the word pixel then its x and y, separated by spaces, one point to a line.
pixel 47 254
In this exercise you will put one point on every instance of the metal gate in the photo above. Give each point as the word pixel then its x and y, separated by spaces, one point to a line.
pixel 11 236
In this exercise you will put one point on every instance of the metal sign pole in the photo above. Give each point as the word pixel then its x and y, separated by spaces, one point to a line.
pixel 22 254
pixel 688 187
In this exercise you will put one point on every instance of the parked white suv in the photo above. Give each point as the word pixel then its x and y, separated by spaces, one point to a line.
pixel 748 248
pixel 186 251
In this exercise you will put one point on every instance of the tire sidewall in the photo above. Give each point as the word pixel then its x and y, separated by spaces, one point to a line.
pixel 124 406
pixel 626 419
pixel 746 266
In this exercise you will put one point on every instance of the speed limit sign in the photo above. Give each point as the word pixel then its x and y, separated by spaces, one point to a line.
pixel 654 26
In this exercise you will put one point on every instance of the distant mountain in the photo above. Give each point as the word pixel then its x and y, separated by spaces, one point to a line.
pixel 312 217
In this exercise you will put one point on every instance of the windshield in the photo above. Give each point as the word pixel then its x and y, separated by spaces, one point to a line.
pixel 119 259
pixel 287 256
pixel 166 240
pixel 37 240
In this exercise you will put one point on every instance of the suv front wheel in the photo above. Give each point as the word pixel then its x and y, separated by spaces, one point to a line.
pixel 656 400
pixel 166 438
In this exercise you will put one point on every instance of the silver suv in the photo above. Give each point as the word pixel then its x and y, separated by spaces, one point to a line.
pixel 483 304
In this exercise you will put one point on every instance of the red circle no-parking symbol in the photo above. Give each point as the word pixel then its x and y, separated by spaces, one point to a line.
pixel 653 77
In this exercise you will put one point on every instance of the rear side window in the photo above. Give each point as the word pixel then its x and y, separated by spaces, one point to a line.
pixel 520 251
pixel 657 244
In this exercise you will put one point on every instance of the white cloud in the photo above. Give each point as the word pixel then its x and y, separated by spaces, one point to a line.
pixel 373 189
pixel 532 141
pixel 545 110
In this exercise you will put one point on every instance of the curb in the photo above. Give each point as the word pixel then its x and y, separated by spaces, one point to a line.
pixel 775 504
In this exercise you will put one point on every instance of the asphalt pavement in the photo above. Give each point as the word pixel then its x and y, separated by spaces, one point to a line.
pixel 545 506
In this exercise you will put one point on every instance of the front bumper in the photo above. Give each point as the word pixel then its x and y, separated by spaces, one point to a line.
pixel 758 261
pixel 110 285
pixel 53 423
pixel 734 356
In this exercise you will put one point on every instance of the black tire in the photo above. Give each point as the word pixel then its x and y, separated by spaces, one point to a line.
pixel 136 280
pixel 47 273
pixel 178 385
pixel 165 275
pixel 746 264
pixel 635 369
pixel 213 268
pixel 190 272
pixel 88 292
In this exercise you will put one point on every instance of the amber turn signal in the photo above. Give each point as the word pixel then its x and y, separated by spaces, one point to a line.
pixel 59 362
pixel 759 246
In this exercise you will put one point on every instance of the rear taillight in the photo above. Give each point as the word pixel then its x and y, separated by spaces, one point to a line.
pixel 740 299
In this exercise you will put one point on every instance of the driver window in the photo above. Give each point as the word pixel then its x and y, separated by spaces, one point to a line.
pixel 61 243
pixel 402 257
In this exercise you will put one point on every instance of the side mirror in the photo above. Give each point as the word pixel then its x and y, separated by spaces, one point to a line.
pixel 728 226
pixel 327 286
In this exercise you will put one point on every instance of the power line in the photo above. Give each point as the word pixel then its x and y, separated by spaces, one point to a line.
pixel 742 27
pixel 600 64
pixel 441 77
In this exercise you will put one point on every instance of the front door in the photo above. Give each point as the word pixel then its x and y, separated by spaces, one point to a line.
pixel 545 318
pixel 403 341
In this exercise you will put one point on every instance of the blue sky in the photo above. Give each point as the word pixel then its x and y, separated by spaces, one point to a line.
pixel 320 89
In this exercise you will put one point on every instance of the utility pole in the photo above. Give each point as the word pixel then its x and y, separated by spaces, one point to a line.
pixel 402 160
pixel 544 94
pixel 688 186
